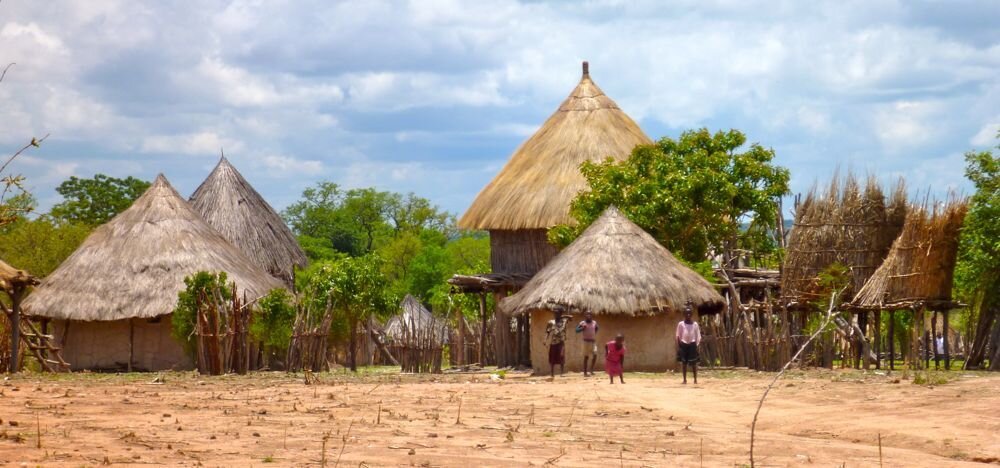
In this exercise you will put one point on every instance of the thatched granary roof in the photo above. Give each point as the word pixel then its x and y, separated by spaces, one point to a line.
pixel 231 205
pixel 615 267
pixel 920 266
pixel 12 278
pixel 535 188
pixel 135 264
pixel 414 319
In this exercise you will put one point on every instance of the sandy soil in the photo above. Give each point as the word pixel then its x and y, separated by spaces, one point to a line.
pixel 821 418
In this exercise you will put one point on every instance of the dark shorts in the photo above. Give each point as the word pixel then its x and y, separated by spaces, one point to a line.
pixel 556 355
pixel 688 353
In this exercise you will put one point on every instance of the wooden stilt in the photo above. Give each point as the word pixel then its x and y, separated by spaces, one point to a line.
pixel 947 351
pixel 14 317
pixel 482 331
pixel 932 343
pixel 878 338
pixel 892 340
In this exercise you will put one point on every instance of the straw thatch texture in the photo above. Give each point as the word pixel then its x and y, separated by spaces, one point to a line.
pixel 850 225
pixel 535 188
pixel 134 265
pixel 412 318
pixel 921 264
pixel 231 205
pixel 615 268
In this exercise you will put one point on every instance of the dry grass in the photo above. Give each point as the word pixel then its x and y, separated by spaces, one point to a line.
pixel 535 188
pixel 921 264
pixel 134 265
pixel 848 224
pixel 615 267
pixel 231 205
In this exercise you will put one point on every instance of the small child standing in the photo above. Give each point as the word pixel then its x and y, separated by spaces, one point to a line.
pixel 614 362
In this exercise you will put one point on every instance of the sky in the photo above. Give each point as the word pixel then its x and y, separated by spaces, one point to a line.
pixel 433 96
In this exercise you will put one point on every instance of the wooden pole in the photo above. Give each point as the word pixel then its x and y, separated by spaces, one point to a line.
pixel 15 330
pixel 932 343
pixel 131 343
pixel 892 340
pixel 947 351
pixel 482 329
pixel 878 339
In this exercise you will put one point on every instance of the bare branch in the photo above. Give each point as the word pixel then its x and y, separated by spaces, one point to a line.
pixel 4 73
pixel 34 142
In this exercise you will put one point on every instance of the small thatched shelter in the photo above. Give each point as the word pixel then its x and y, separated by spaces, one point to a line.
pixel 415 337
pixel 111 300
pixel 632 285
pixel 848 224
pixel 920 266
pixel 231 205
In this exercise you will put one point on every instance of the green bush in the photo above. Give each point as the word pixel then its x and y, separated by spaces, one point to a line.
pixel 273 320
pixel 186 310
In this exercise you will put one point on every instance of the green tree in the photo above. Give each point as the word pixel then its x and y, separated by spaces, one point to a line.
pixel 357 289
pixel 40 245
pixel 977 276
pixel 699 194
pixel 186 311
pixel 95 201
pixel 272 325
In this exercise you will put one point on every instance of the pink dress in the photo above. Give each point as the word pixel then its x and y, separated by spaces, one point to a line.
pixel 613 362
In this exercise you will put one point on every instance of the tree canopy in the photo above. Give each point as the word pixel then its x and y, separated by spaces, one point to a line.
pixel 701 194
pixel 95 201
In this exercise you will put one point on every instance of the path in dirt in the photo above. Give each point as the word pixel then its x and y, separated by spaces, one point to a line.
pixel 818 417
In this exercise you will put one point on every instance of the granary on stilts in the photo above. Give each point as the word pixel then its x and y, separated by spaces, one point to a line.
pixel 629 281
pixel 917 277
pixel 110 302
pixel 231 205
pixel 15 284
pixel 532 193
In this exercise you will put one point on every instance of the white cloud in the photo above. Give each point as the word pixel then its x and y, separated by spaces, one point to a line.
pixel 987 135
pixel 204 143
pixel 905 124
pixel 278 165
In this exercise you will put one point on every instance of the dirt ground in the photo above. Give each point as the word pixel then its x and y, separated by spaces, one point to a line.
pixel 381 418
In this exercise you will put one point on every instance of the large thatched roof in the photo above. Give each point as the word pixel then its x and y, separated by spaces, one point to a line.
pixel 535 188
pixel 135 264
pixel 615 267
pixel 231 205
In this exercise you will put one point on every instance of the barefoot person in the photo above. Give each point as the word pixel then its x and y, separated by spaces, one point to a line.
pixel 555 336
pixel 688 339
pixel 614 358
pixel 588 328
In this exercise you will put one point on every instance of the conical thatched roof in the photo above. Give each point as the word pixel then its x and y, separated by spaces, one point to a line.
pixel 135 264
pixel 615 267
pixel 231 205
pixel 413 318
pixel 535 188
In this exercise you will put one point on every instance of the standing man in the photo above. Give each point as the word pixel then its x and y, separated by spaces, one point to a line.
pixel 588 328
pixel 688 339
pixel 555 336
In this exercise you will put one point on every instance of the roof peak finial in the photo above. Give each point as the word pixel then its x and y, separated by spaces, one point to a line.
pixel 586 68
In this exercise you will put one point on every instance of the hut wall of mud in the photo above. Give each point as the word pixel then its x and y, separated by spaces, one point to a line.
pixel 848 224
pixel 104 345
pixel 649 340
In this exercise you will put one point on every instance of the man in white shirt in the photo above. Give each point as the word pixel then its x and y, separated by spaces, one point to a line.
pixel 938 349
pixel 688 338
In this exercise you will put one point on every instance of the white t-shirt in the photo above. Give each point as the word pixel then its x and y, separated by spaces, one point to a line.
pixel 940 344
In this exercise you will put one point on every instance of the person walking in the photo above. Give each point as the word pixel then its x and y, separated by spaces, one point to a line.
pixel 614 358
pixel 688 338
pixel 588 329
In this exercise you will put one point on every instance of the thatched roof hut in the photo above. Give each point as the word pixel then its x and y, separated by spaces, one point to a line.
pixel 231 205
pixel 631 283
pixel 535 188
pixel 413 320
pixel 920 266
pixel 124 278
pixel 848 224
pixel 615 268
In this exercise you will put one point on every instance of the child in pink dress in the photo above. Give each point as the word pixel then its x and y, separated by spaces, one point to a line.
pixel 614 362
